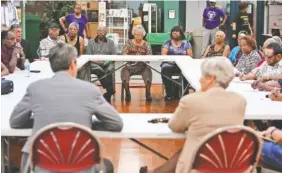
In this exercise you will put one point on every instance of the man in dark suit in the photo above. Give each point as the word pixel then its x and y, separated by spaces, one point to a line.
pixel 21 43
pixel 63 98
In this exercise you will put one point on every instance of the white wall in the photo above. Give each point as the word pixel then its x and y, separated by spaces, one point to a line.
pixel 275 14
pixel 194 13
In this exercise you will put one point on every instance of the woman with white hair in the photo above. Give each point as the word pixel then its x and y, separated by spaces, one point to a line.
pixel 137 46
pixel 219 48
pixel 201 113
pixel 236 52
pixel 73 38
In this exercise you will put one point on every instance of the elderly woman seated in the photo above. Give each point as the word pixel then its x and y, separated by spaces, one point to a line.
pixel 219 48
pixel 73 38
pixel 268 74
pixel 137 46
pixel 236 52
pixel 250 57
pixel 217 108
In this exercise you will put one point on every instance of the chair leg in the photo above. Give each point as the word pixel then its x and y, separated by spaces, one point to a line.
pixel 122 90
pixel 163 90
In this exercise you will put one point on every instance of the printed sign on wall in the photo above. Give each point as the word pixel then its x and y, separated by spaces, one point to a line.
pixel 102 13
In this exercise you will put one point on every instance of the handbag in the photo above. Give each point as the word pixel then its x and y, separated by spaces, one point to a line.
pixel 7 86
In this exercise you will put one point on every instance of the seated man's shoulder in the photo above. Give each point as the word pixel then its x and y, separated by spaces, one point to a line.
pixel 194 96
pixel 91 40
pixel 110 41
pixel 235 96
pixel 24 41
pixel 85 85
pixel 37 84
pixel 43 40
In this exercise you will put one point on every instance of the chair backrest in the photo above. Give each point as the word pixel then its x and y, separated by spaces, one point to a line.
pixel 229 149
pixel 65 147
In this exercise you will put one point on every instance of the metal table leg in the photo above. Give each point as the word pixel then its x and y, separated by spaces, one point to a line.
pixel 9 168
pixel 110 73
pixel 3 155
pixel 168 78
pixel 148 148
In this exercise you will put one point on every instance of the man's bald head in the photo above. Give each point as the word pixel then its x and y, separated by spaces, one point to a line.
pixel 101 32
pixel 101 28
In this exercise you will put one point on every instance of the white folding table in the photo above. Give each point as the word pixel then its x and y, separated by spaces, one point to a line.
pixel 135 125
pixel 258 106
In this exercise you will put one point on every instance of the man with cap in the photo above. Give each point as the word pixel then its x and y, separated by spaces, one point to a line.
pixel 211 22
pixel 51 40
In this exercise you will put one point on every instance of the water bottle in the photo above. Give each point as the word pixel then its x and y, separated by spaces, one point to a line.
pixel 27 67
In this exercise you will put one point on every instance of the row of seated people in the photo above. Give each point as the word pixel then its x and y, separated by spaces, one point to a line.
pixel 79 107
pixel 101 45
pixel 246 58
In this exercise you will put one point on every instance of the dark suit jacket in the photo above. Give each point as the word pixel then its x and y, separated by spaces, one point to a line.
pixel 27 50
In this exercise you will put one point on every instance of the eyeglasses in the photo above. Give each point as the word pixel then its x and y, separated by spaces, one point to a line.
pixel 269 57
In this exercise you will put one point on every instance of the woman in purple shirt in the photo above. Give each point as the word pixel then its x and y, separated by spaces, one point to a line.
pixel 76 17
pixel 177 45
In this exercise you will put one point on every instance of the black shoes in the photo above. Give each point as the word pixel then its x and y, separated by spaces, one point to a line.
pixel 108 95
pixel 167 98
pixel 143 169
pixel 127 97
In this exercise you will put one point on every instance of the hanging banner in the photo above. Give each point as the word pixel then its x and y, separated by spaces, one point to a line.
pixel 102 13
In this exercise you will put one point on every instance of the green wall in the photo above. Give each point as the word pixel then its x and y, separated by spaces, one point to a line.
pixel 169 23
pixel 180 12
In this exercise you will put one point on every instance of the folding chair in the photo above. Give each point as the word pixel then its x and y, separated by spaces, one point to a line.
pixel 232 149
pixel 132 78
pixel 175 76
pixel 94 79
pixel 65 147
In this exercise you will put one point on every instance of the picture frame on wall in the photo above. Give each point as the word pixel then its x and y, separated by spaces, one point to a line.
pixel 92 15
pixel 171 14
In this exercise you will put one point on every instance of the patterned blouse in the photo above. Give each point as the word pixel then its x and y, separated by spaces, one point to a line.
pixel 131 49
pixel 172 50
pixel 213 53
pixel 248 62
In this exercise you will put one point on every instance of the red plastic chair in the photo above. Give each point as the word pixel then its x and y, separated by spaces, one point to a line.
pixel 65 147
pixel 232 149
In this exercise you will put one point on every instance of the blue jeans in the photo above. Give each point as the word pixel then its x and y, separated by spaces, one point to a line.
pixel 272 156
